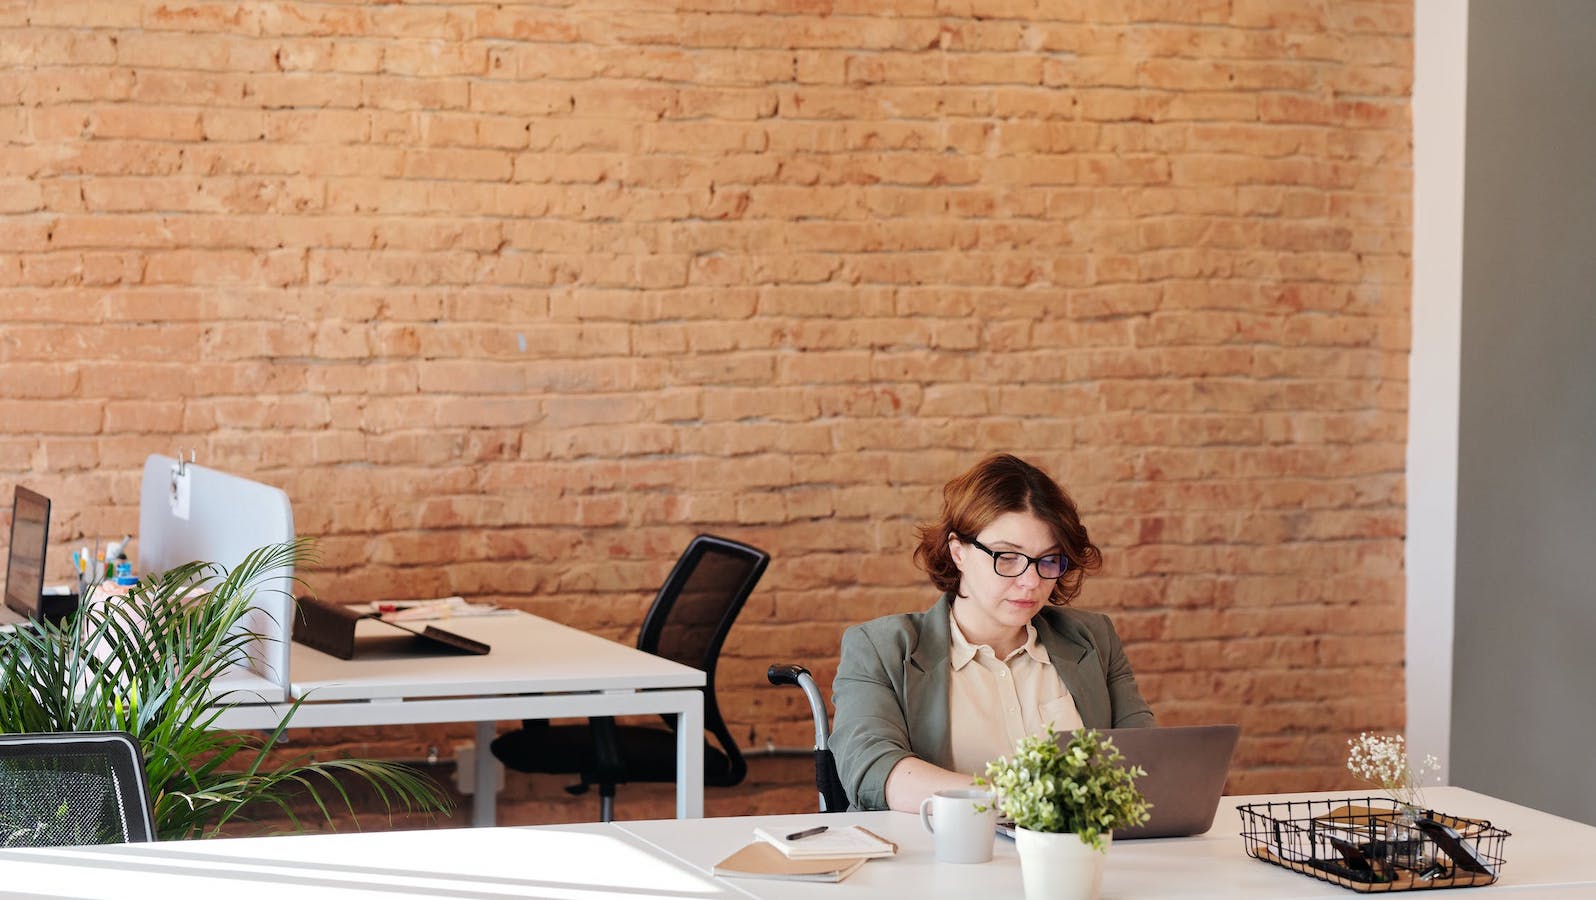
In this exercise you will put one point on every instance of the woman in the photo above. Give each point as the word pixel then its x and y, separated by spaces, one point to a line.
pixel 924 700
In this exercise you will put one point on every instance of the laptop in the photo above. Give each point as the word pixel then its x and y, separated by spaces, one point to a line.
pixel 30 535
pixel 1186 768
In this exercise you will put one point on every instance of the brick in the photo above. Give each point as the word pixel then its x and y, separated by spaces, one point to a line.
pixel 38 380
pixel 574 285
pixel 54 417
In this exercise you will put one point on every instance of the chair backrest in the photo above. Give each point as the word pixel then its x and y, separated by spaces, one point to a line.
pixel 694 610
pixel 73 788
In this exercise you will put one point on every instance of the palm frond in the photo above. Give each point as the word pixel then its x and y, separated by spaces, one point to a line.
pixel 148 664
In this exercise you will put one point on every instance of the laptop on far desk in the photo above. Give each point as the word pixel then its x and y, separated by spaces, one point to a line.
pixel 25 598
pixel 1186 768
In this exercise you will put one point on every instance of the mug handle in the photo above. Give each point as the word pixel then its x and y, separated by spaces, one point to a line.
pixel 925 818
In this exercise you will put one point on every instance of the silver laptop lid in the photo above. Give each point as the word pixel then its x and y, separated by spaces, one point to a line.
pixel 1186 769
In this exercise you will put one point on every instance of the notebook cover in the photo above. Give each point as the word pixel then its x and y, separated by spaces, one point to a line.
pixel 762 860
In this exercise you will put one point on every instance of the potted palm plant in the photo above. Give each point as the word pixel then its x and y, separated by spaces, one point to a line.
pixel 147 664
pixel 1065 802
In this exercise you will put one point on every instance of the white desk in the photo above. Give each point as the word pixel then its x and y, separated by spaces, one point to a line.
pixel 536 669
pixel 1546 856
pixel 573 862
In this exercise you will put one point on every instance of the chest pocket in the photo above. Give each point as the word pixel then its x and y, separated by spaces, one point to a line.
pixel 1062 713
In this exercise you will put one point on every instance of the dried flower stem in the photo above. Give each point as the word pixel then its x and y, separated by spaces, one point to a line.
pixel 1382 760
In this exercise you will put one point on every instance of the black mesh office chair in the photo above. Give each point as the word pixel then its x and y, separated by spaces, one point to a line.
pixel 67 789
pixel 688 622
pixel 827 783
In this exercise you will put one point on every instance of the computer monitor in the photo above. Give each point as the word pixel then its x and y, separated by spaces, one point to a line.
pixel 30 537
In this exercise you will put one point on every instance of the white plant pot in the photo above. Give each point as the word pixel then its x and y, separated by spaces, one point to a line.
pixel 1059 866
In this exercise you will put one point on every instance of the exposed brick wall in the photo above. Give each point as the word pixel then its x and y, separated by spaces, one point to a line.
pixel 512 299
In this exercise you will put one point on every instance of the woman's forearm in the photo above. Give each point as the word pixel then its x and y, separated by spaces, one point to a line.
pixel 913 779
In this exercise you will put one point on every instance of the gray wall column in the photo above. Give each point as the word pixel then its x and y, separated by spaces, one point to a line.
pixel 1524 660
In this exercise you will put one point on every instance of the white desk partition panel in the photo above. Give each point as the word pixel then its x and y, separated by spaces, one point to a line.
pixel 188 512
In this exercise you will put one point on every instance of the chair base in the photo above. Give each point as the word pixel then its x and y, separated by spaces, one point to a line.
pixel 636 753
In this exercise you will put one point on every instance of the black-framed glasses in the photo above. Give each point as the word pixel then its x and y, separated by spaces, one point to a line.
pixel 1013 563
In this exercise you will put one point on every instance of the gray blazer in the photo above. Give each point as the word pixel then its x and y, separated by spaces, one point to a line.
pixel 891 692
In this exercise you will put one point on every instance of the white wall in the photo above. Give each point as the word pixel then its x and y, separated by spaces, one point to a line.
pixel 1439 80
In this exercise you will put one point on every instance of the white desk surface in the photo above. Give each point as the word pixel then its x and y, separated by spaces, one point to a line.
pixel 1546 856
pixel 535 669
pixel 529 655
pixel 572 862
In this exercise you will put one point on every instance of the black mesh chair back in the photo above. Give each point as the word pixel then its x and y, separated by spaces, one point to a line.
pixel 692 613
pixel 75 788
pixel 691 616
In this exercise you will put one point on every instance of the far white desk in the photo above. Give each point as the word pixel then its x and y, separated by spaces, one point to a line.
pixel 536 669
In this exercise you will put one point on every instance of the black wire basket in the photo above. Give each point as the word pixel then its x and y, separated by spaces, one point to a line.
pixel 1367 845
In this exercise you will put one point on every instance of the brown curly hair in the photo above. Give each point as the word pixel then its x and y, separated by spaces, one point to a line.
pixel 1004 483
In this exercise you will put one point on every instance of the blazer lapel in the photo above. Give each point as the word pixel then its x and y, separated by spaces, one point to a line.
pixel 926 687
pixel 1079 669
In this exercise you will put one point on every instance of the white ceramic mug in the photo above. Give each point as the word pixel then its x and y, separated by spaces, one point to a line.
pixel 960 833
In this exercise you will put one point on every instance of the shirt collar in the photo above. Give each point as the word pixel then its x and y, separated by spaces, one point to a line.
pixel 961 651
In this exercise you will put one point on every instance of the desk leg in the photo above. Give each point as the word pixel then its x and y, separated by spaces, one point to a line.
pixel 484 802
pixel 690 759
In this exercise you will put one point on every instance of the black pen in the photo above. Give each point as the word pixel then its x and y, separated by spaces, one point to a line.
pixel 807 832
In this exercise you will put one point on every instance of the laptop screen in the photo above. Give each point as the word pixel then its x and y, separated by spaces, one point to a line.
pixel 30 535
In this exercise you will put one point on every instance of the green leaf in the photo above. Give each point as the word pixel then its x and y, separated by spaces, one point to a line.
pixel 147 664
pixel 1083 787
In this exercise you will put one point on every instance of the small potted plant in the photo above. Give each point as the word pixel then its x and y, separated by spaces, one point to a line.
pixel 1065 802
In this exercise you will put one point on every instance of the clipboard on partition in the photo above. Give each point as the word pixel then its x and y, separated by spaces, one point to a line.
pixel 330 628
